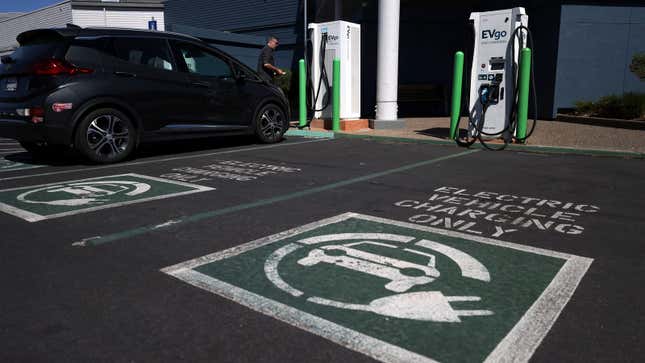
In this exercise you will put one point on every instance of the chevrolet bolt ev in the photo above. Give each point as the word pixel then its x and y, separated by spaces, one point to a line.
pixel 103 91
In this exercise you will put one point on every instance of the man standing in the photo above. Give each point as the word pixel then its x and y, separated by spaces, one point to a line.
pixel 266 62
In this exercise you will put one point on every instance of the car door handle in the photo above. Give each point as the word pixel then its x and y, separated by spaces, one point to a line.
pixel 201 84
pixel 125 74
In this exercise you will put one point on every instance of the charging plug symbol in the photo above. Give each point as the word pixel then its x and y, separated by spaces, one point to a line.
pixel 423 306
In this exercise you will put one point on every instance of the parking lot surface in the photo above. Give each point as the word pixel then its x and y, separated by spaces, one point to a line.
pixel 318 250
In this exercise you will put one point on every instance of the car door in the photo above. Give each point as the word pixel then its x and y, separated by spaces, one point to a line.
pixel 145 75
pixel 224 106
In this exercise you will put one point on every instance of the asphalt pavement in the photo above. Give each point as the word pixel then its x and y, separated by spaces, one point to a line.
pixel 321 250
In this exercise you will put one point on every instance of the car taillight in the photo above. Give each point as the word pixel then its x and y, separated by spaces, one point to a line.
pixel 37 114
pixel 53 67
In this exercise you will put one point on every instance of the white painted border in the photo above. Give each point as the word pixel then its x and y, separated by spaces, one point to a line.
pixel 33 217
pixel 12 151
pixel 338 334
pixel 518 345
pixel 23 166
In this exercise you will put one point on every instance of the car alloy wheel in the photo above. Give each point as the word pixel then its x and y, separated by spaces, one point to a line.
pixel 271 124
pixel 108 136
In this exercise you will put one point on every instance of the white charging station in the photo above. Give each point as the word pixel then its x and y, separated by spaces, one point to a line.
pixel 343 41
pixel 492 84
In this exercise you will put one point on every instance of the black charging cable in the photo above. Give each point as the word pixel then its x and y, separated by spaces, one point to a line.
pixel 486 101
pixel 322 81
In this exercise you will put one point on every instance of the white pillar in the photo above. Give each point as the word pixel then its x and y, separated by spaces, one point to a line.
pixel 387 75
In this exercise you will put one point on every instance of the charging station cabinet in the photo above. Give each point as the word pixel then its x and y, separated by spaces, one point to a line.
pixel 493 73
pixel 343 41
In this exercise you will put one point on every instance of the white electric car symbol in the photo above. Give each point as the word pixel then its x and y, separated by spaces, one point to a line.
pixel 83 193
pixel 403 275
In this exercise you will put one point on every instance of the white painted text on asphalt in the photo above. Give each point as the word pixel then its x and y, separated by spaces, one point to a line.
pixel 460 209
pixel 227 169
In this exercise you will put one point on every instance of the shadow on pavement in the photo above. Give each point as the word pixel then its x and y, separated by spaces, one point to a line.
pixel 145 150
pixel 441 132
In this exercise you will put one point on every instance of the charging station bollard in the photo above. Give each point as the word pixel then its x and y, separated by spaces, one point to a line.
pixel 457 79
pixel 302 93
pixel 523 97
pixel 335 119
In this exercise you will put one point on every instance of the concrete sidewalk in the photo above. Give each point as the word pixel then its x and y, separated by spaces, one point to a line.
pixel 547 134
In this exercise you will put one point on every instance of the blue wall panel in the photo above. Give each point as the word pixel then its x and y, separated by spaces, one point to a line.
pixel 231 15
pixel 595 49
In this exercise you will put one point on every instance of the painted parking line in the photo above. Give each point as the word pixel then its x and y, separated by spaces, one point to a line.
pixel 396 291
pixel 9 165
pixel 98 240
pixel 145 162
pixel 11 151
pixel 55 200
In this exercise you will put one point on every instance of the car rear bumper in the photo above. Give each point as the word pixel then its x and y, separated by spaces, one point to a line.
pixel 21 128
pixel 24 130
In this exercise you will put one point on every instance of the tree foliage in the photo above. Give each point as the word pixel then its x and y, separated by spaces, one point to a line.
pixel 638 65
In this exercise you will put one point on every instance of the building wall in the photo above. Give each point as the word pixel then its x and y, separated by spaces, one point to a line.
pixel 52 16
pixel 595 49
pixel 237 16
pixel 258 18
pixel 137 19
pixel 5 16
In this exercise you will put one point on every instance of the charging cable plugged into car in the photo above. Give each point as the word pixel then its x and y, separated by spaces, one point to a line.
pixel 502 68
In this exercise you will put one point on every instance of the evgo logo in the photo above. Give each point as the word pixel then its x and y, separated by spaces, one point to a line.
pixel 494 34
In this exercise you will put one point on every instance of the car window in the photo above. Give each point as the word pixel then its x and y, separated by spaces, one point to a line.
pixel 86 50
pixel 39 45
pixel 200 61
pixel 33 52
pixel 245 72
pixel 149 52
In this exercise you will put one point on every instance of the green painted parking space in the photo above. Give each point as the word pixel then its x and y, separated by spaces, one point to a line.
pixel 397 291
pixel 47 201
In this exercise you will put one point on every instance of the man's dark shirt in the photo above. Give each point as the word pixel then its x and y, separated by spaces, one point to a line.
pixel 266 56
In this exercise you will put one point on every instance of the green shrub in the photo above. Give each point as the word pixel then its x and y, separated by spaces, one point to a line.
pixel 628 106
pixel 638 65
pixel 635 104
pixel 584 107
pixel 284 81
pixel 290 88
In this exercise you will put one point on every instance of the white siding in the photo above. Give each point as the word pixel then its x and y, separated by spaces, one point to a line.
pixel 136 19
pixel 49 17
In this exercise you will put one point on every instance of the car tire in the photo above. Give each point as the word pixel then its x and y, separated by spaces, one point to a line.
pixel 270 124
pixel 105 136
